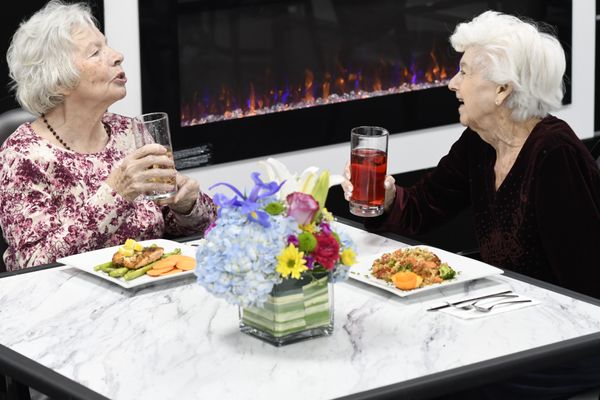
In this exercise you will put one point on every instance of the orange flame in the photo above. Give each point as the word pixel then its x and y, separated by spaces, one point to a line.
pixel 308 86
pixel 318 88
pixel 252 100
pixel 326 85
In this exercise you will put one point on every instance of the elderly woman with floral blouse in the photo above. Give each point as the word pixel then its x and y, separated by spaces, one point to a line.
pixel 71 180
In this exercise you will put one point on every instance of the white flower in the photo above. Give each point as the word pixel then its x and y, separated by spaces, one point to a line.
pixel 305 182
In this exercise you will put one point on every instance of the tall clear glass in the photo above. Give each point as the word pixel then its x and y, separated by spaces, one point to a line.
pixel 368 168
pixel 154 128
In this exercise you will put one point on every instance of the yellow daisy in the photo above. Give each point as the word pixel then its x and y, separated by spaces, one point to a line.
pixel 291 262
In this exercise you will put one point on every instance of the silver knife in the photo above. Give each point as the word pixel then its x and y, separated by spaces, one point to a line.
pixel 467 300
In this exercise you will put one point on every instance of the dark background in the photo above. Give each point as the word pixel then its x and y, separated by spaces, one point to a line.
pixel 10 19
pixel 311 127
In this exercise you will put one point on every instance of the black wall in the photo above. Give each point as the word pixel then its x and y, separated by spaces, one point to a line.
pixel 10 18
pixel 597 79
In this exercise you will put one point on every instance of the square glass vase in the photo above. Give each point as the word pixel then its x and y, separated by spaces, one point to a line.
pixel 296 309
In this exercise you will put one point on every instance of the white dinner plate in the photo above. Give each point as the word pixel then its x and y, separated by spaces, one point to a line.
pixel 87 261
pixel 467 269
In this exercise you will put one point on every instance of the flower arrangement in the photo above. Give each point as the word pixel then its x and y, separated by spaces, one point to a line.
pixel 278 231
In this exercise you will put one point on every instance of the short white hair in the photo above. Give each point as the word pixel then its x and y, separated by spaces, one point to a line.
pixel 514 51
pixel 40 56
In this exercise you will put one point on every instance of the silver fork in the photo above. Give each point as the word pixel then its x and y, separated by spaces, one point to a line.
pixel 462 307
pixel 489 308
pixel 472 305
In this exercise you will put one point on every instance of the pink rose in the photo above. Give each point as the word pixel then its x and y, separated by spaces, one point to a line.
pixel 302 207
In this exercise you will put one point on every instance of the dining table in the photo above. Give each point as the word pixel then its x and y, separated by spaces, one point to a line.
pixel 71 335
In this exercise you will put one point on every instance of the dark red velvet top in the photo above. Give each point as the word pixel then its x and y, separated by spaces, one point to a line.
pixel 543 221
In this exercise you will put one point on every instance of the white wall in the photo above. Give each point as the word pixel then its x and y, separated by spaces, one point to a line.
pixel 408 151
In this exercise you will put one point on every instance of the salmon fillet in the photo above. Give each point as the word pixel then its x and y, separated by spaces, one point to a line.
pixel 139 258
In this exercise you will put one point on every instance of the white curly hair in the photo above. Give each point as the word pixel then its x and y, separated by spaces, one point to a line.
pixel 514 51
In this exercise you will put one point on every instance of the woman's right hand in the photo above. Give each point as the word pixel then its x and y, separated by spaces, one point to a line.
pixel 132 176
pixel 389 183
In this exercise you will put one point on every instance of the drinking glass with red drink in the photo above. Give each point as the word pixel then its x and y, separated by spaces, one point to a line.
pixel 368 168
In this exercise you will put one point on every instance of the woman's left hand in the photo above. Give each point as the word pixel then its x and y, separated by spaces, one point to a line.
pixel 186 196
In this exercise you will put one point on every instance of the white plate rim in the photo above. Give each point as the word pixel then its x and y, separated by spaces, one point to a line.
pixel 361 271
pixel 103 255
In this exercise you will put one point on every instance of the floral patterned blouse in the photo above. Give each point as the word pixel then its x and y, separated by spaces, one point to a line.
pixel 55 202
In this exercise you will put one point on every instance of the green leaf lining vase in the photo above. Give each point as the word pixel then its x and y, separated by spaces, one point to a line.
pixel 296 309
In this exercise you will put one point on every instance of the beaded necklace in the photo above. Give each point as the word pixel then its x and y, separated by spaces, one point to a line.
pixel 51 129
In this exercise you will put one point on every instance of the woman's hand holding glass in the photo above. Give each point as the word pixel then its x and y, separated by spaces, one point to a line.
pixel 186 196
pixel 136 175
pixel 389 184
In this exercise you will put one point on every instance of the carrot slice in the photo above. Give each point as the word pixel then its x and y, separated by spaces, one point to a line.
pixel 171 272
pixel 165 268
pixel 185 263
pixel 406 280
pixel 167 262
pixel 172 265
pixel 159 272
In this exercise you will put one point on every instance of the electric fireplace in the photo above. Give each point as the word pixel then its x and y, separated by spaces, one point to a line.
pixel 248 78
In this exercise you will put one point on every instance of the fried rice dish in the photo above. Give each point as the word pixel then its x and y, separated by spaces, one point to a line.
pixel 411 268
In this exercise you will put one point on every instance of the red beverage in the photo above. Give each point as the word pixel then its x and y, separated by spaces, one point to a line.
pixel 368 168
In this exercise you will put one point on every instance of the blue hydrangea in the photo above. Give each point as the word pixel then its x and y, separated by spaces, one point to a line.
pixel 237 261
pixel 341 271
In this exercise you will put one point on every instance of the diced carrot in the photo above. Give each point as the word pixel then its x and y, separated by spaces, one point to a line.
pixel 406 280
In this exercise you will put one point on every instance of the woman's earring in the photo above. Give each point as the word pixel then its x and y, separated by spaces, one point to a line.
pixel 497 102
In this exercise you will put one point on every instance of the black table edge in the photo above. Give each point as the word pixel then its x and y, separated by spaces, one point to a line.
pixel 480 373
pixel 53 384
pixel 484 372
pixel 43 379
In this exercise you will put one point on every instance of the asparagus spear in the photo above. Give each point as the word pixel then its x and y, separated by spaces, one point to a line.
pixel 136 273
pixel 118 272
pixel 103 266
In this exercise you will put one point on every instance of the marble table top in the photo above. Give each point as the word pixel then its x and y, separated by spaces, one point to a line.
pixel 176 341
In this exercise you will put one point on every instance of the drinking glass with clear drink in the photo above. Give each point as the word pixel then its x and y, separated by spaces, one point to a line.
pixel 368 168
pixel 154 128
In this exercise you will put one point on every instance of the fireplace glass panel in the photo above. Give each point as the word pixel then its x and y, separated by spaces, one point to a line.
pixel 276 57
pixel 249 78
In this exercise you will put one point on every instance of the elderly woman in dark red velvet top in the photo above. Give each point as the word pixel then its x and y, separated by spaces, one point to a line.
pixel 533 186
